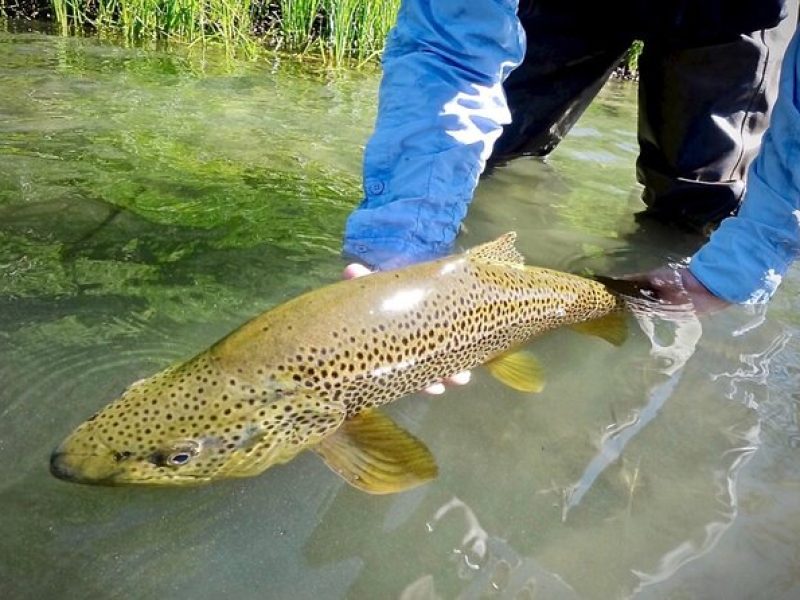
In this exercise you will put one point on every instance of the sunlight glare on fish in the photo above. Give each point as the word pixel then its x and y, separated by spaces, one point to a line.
pixel 451 266
pixel 403 300
pixel 388 370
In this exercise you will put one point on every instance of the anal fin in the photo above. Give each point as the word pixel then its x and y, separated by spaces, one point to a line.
pixel 613 328
pixel 518 370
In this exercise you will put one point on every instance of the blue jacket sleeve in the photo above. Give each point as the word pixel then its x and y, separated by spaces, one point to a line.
pixel 441 108
pixel 746 258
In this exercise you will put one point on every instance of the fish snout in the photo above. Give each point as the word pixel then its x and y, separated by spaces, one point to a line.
pixel 61 467
pixel 67 467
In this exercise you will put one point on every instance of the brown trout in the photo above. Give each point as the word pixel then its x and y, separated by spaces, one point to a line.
pixel 310 374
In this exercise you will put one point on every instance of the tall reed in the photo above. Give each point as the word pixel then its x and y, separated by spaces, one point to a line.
pixel 336 29
pixel 296 24
pixel 339 29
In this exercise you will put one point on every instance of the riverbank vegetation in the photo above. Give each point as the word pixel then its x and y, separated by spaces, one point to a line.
pixel 335 30
pixel 628 67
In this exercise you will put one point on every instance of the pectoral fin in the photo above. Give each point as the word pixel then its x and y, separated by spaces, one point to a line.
pixel 372 453
pixel 308 419
pixel 518 370
pixel 613 328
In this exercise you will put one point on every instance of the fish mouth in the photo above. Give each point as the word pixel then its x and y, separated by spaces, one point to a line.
pixel 83 469
pixel 64 467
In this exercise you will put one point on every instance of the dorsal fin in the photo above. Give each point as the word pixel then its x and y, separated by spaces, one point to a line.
pixel 500 250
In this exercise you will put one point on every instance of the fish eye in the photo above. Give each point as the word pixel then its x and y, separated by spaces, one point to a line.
pixel 176 459
pixel 176 456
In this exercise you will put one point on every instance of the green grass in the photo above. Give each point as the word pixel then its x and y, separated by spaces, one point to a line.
pixel 225 21
pixel 297 19
pixel 338 31
pixel 631 58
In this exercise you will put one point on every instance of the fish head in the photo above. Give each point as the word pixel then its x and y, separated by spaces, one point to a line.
pixel 173 429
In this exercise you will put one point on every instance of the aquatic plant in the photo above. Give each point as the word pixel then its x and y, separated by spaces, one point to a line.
pixel 336 30
pixel 297 21
pixel 358 25
pixel 631 58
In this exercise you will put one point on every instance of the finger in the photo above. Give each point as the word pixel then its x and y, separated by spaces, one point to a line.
pixel 435 388
pixel 354 270
pixel 460 378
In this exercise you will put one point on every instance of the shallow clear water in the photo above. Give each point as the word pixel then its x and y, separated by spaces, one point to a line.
pixel 151 203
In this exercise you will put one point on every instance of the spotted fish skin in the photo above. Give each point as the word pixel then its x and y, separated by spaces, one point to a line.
pixel 290 378
pixel 372 340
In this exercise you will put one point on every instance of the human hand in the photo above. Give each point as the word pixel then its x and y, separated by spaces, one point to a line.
pixel 675 286
pixel 354 270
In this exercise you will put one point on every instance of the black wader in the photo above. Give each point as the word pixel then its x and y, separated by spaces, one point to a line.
pixel 708 79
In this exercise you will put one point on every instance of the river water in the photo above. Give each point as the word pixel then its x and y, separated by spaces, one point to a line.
pixel 152 202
